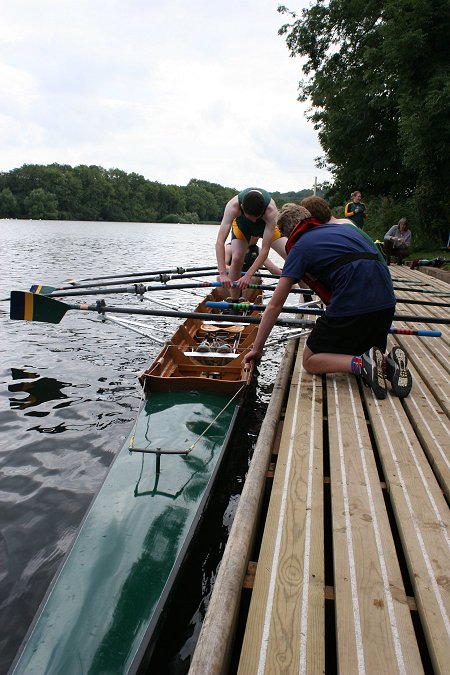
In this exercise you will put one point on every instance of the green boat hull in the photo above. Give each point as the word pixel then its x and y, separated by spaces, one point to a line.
pixel 103 611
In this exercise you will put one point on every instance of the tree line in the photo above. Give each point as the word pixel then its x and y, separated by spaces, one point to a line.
pixel 62 192
pixel 377 76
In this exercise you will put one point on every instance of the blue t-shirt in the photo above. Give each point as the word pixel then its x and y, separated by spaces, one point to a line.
pixel 359 287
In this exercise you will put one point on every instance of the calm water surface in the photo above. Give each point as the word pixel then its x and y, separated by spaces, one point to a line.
pixel 68 397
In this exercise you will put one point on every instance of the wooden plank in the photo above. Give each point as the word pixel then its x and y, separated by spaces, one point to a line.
pixel 214 646
pixel 432 427
pixel 430 357
pixel 374 630
pixel 285 626
pixel 421 515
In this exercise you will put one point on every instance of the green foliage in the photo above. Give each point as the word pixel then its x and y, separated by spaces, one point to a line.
pixel 92 193
pixel 377 76
pixel 41 204
pixel 282 198
pixel 8 203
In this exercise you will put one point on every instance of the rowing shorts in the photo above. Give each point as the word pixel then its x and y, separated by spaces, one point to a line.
pixel 246 234
pixel 351 335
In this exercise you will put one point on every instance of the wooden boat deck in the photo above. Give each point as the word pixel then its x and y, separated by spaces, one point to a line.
pixel 352 573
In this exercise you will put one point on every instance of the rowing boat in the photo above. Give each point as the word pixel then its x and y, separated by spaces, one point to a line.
pixel 103 611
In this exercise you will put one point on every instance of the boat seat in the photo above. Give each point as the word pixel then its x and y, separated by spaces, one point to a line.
pixel 211 355
pixel 210 328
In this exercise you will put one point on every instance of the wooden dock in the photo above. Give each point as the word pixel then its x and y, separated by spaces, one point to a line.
pixel 352 571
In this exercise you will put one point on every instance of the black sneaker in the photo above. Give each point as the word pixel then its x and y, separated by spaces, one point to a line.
pixel 397 372
pixel 372 372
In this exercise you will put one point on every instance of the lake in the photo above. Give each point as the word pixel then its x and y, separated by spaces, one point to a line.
pixel 68 398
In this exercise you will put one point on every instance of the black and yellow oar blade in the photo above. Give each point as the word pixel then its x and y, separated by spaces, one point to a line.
pixel 42 290
pixel 31 307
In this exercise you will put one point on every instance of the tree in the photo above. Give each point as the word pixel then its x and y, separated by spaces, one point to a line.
pixel 416 48
pixel 41 205
pixel 200 201
pixel 377 76
pixel 8 204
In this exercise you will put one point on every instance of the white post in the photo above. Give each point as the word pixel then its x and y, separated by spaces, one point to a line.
pixel 315 186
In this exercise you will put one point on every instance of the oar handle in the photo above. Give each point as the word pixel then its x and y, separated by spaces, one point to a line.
pixel 412 331
pixel 311 310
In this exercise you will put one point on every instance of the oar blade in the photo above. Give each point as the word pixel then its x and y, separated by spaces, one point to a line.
pixel 42 290
pixel 31 307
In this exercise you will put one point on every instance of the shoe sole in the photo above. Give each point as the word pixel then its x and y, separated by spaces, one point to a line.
pixel 400 378
pixel 378 384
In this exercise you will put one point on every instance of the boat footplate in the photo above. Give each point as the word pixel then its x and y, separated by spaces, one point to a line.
pixel 159 451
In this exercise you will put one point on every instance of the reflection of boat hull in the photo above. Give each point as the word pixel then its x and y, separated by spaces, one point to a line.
pixel 103 610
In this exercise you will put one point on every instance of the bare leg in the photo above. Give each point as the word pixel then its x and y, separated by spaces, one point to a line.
pixel 238 250
pixel 279 245
pixel 326 363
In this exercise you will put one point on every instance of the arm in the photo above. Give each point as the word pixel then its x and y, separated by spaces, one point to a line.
pixel 270 218
pixel 269 317
pixel 230 213
pixel 348 210
pixel 406 237
pixel 390 233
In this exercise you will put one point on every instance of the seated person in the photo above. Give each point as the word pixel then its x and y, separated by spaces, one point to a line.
pixel 397 241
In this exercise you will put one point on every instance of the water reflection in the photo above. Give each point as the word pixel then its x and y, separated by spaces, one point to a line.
pixel 81 377
pixel 38 391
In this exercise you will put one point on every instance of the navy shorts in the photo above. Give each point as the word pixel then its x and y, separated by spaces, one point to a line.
pixel 352 335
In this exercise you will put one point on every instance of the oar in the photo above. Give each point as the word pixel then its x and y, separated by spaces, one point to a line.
pixel 419 290
pixel 175 270
pixel 428 303
pixel 245 306
pixel 162 279
pixel 411 281
pixel 136 289
pixel 31 307
pixel 413 331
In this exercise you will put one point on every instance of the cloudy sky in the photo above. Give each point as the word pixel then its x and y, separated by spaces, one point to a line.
pixel 170 89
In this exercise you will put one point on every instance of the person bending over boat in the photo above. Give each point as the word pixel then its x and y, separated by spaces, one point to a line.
pixel 250 215
pixel 345 270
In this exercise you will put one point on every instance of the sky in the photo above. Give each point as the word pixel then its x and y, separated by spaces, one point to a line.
pixel 169 89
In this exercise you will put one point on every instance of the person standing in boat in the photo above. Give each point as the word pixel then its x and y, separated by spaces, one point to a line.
pixel 356 210
pixel 250 215
pixel 345 270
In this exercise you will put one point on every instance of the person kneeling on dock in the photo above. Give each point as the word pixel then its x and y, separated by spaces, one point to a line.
pixel 343 268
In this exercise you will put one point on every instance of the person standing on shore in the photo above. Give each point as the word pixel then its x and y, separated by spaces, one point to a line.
pixel 355 210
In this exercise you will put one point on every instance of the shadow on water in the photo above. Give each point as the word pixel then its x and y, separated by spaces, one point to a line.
pixel 39 390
